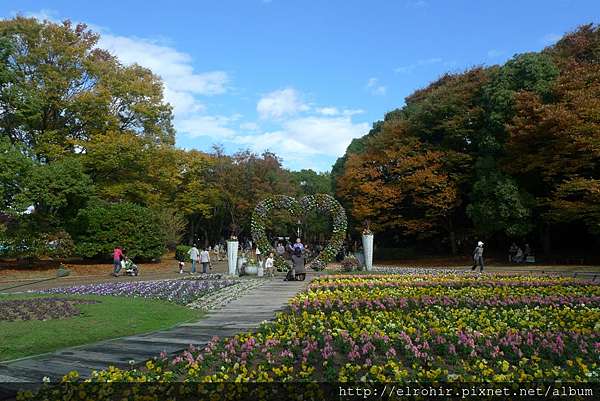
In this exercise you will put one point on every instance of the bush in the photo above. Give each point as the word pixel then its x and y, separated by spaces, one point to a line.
pixel 27 244
pixel 181 252
pixel 60 245
pixel 103 226
pixel 350 263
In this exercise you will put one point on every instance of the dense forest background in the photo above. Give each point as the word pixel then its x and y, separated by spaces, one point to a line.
pixel 88 158
pixel 502 153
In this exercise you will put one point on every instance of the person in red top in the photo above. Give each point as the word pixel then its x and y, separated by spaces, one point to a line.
pixel 117 256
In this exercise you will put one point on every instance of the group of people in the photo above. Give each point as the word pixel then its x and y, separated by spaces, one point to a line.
pixel 297 257
pixel 122 261
pixel 197 257
pixel 287 251
pixel 516 254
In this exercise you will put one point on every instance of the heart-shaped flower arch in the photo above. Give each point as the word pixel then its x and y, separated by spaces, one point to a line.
pixel 319 202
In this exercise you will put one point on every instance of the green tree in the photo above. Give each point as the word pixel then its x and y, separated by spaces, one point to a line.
pixel 15 168
pixel 58 90
pixel 497 205
pixel 57 191
pixel 309 182
pixel 103 226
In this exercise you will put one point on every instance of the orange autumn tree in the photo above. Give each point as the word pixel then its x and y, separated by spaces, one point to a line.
pixel 558 144
pixel 399 183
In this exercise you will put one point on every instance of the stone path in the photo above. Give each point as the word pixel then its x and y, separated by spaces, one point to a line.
pixel 246 312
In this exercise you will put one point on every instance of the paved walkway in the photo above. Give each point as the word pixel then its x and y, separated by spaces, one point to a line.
pixel 246 312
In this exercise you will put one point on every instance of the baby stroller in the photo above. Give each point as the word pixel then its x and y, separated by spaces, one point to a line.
pixel 129 267
pixel 290 275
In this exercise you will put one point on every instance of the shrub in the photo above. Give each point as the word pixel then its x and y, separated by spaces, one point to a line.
pixel 350 263
pixel 27 244
pixel 60 245
pixel 103 226
pixel 181 252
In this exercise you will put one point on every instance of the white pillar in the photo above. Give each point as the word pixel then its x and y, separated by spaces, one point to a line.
pixel 367 241
pixel 232 254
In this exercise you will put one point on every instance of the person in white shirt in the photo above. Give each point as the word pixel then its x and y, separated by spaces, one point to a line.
pixel 258 257
pixel 194 254
pixel 269 263
pixel 205 260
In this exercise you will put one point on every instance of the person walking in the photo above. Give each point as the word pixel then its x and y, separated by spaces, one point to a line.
pixel 205 260
pixel 117 258
pixel 194 255
pixel 478 257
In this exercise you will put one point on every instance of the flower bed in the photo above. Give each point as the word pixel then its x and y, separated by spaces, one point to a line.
pixel 178 291
pixel 222 297
pixel 40 308
pixel 412 270
pixel 424 328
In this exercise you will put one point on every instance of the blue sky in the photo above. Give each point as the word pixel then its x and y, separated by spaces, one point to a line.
pixel 302 78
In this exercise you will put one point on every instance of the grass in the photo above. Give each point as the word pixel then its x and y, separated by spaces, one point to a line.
pixel 112 317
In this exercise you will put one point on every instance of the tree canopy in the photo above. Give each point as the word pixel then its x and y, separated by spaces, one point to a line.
pixel 502 152
pixel 87 150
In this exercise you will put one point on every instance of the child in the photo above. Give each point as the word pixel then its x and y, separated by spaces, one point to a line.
pixel 181 266
pixel 269 265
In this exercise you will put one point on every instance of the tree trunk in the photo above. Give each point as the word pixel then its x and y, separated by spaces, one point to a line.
pixel 191 233
pixel 205 237
pixel 452 237
pixel 453 243
pixel 546 239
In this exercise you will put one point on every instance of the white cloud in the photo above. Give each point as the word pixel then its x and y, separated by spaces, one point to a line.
pixel 249 126
pixel 351 112
pixel 182 83
pixel 308 136
pixel 375 88
pixel 280 103
pixel 211 126
pixel 328 111
pixel 550 39
pixel 334 111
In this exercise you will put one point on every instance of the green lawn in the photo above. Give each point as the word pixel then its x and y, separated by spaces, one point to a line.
pixel 112 317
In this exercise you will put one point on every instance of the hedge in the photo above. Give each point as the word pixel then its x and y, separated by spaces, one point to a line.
pixel 103 226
